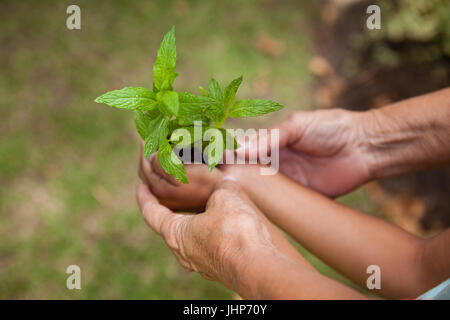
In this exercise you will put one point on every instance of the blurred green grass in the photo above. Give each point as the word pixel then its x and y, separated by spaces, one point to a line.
pixel 68 166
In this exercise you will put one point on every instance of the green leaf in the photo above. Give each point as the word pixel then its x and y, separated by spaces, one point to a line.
pixel 187 135
pixel 157 131
pixel 172 125
pixel 203 91
pixel 253 108
pixel 182 137
pixel 170 101
pixel 230 91
pixel 135 98
pixel 217 112
pixel 194 102
pixel 170 162
pixel 229 141
pixel 215 148
pixel 189 120
pixel 142 121
pixel 192 108
pixel 164 67
pixel 214 90
pixel 178 133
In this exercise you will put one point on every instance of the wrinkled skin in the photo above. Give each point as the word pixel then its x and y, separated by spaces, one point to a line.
pixel 333 152
pixel 323 150
pixel 214 242
pixel 319 149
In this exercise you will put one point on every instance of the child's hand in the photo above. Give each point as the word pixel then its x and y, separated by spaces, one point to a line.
pixel 176 195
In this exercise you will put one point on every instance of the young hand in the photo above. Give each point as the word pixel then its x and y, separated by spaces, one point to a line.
pixel 174 194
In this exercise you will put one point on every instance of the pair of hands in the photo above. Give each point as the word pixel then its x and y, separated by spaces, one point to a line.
pixel 321 149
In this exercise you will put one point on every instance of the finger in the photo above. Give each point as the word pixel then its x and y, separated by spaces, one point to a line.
pixel 141 176
pixel 154 181
pixel 142 163
pixel 228 183
pixel 157 169
pixel 151 179
pixel 158 217
pixel 261 144
pixel 161 220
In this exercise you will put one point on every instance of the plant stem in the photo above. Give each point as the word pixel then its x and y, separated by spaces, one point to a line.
pixel 223 119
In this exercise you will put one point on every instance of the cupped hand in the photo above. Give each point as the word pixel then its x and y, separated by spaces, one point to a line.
pixel 323 150
pixel 174 194
pixel 214 243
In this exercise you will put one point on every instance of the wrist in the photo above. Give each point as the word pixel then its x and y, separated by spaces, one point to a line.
pixel 396 142
pixel 368 126
pixel 242 174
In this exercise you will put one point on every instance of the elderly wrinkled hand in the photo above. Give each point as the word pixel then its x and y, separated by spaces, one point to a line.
pixel 212 243
pixel 323 150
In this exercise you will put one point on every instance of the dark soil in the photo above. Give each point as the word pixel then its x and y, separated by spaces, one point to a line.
pixel 374 86
pixel 196 155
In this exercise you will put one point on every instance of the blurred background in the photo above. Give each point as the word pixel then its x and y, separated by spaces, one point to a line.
pixel 68 166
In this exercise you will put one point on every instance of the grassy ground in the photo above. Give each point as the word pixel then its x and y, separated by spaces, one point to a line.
pixel 68 166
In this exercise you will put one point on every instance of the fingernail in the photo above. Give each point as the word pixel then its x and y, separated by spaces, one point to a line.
pixel 230 178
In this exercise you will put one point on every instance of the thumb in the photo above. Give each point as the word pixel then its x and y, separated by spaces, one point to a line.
pixel 228 183
pixel 224 190
pixel 227 197
pixel 158 217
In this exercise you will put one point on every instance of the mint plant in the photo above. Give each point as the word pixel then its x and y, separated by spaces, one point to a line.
pixel 160 112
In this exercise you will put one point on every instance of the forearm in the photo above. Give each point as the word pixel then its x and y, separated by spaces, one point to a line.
pixel 344 238
pixel 435 262
pixel 273 275
pixel 280 241
pixel 408 135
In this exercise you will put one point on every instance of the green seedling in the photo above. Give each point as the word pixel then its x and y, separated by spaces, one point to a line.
pixel 160 112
